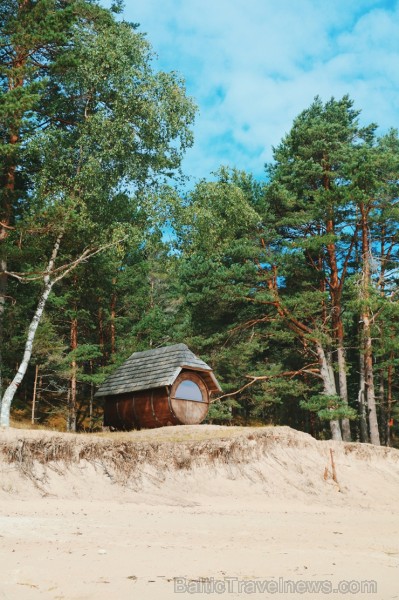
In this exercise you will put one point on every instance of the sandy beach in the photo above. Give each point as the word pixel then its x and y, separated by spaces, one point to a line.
pixel 271 524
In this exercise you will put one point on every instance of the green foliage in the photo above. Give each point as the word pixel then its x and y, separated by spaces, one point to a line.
pixel 254 276
pixel 97 131
pixel 328 407
pixel 221 412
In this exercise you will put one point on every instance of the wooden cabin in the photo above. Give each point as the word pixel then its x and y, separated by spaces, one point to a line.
pixel 165 386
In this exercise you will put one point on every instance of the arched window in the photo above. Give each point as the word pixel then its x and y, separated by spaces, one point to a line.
pixel 188 390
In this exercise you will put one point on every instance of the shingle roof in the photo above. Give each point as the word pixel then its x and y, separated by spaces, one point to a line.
pixel 155 368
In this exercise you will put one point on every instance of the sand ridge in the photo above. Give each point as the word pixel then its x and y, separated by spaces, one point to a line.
pixel 192 504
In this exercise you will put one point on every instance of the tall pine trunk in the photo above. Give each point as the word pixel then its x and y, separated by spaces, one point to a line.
pixel 389 401
pixel 369 380
pixel 33 416
pixel 337 325
pixel 343 386
pixel 367 339
pixel 327 374
pixel 112 322
pixel 101 340
pixel 71 419
pixel 364 434
pixel 7 181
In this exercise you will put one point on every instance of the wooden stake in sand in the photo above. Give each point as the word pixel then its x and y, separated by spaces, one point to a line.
pixel 333 470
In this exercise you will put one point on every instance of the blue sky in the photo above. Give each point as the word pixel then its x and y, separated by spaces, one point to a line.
pixel 253 65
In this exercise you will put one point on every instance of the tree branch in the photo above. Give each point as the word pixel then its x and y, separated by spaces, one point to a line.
pixel 6 226
pixel 255 378
pixel 63 269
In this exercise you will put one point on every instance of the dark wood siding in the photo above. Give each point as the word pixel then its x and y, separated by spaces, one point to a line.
pixel 143 409
pixel 156 407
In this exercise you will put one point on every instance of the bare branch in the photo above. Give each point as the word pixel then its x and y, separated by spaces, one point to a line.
pixel 63 269
pixel 307 370
pixel 85 256
pixel 6 226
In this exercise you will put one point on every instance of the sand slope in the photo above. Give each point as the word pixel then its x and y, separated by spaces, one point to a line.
pixel 133 515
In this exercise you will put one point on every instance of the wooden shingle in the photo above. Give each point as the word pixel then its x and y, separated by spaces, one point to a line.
pixel 154 369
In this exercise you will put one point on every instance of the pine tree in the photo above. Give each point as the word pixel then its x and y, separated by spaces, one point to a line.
pixel 312 194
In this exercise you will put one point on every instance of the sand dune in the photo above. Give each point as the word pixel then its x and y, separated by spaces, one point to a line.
pixel 250 512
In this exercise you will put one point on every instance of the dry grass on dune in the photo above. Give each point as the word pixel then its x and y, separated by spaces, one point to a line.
pixel 280 459
pixel 121 455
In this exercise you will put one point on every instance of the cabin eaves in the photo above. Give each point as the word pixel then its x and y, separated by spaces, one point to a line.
pixel 154 369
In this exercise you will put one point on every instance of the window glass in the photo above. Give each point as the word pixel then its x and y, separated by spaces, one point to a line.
pixel 188 390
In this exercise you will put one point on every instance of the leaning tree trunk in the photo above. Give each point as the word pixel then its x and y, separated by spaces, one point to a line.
pixel 12 388
pixel 47 287
pixel 327 374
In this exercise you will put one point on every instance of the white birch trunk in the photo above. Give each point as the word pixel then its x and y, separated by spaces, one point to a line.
pixel 12 388
pixel 327 374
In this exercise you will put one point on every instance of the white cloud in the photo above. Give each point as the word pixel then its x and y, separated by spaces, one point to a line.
pixel 253 65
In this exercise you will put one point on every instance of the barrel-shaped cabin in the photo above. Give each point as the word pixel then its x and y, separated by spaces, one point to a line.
pixel 165 386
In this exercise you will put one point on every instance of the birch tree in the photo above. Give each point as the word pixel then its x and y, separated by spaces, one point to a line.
pixel 126 129
pixel 34 37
